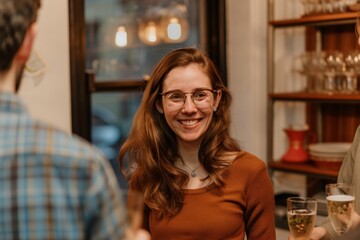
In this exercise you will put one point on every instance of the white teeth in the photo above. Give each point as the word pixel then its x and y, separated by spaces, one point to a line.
pixel 189 123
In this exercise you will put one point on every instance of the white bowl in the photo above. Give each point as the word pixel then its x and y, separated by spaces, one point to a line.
pixel 330 147
pixel 327 155
pixel 327 163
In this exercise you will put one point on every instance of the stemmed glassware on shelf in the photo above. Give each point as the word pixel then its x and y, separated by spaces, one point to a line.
pixel 340 204
pixel 312 65
pixel 329 71
pixel 301 214
pixel 326 6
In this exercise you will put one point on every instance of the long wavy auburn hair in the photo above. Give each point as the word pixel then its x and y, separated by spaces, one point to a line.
pixel 152 149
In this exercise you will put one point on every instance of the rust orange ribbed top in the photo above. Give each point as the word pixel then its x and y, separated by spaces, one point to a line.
pixel 244 206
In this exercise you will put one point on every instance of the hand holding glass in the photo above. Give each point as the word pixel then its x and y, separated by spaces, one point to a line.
pixel 340 204
pixel 301 213
pixel 134 204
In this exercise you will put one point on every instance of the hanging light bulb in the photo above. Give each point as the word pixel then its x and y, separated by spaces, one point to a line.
pixel 121 38
pixel 174 29
pixel 175 24
pixel 149 32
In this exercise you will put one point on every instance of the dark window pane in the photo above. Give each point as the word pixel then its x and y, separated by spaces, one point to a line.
pixel 112 115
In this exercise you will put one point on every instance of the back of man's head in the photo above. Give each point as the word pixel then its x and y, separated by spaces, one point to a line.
pixel 15 18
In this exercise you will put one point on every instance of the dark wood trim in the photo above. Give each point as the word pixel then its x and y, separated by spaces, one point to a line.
pixel 80 97
pixel 216 34
pixel 114 86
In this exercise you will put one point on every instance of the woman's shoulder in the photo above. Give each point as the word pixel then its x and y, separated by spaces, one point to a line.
pixel 249 161
pixel 246 168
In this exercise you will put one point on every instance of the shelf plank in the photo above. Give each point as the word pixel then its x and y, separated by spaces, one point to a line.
pixel 323 97
pixel 308 168
pixel 317 20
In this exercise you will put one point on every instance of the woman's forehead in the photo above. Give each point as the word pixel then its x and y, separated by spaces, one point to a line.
pixel 186 78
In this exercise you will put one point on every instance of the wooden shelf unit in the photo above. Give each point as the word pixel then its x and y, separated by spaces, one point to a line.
pixel 308 168
pixel 321 97
pixel 340 111
pixel 317 20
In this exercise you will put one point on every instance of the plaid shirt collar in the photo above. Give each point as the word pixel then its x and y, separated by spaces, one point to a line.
pixel 10 102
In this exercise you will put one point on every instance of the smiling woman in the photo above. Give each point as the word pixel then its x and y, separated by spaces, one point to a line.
pixel 185 162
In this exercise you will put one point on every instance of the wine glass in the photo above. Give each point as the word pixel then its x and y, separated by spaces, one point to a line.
pixel 312 66
pixel 340 204
pixel 134 205
pixel 349 71
pixel 334 66
pixel 301 214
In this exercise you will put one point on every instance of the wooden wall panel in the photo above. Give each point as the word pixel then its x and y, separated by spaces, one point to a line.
pixel 339 37
pixel 340 121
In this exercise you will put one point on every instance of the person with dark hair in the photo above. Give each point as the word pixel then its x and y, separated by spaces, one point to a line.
pixel 197 182
pixel 53 185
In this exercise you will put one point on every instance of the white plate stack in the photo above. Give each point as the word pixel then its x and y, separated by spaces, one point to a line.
pixel 329 154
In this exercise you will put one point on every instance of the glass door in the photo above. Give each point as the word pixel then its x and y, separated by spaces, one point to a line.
pixel 123 40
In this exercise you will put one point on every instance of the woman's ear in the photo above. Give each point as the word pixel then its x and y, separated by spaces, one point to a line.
pixel 159 108
pixel 27 44
pixel 217 100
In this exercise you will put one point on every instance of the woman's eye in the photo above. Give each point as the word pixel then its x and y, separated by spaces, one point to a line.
pixel 176 97
pixel 200 94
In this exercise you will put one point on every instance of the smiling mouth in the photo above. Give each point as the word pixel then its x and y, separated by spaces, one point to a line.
pixel 189 122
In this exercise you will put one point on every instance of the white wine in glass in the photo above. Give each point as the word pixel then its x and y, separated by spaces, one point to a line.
pixel 301 213
pixel 340 204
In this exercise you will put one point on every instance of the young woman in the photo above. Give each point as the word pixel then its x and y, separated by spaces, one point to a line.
pixel 197 182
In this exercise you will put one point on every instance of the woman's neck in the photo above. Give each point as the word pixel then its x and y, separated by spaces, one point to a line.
pixel 189 154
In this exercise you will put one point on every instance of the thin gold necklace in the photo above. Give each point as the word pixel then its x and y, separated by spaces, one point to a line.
pixel 192 172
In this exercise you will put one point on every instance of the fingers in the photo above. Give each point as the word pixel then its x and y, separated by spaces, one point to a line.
pixel 355 220
pixel 142 234
pixel 318 233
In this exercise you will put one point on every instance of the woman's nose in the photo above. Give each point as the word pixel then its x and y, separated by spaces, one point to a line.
pixel 189 105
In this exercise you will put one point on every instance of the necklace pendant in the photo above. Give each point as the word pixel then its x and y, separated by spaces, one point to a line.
pixel 193 173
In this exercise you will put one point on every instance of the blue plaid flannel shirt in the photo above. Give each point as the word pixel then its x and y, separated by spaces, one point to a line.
pixel 53 185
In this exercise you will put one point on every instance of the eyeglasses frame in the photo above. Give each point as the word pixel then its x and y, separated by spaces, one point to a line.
pixel 214 91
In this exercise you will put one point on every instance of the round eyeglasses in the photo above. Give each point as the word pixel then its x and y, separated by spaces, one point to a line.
pixel 176 99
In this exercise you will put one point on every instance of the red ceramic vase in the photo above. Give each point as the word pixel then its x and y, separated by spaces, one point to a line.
pixel 297 151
